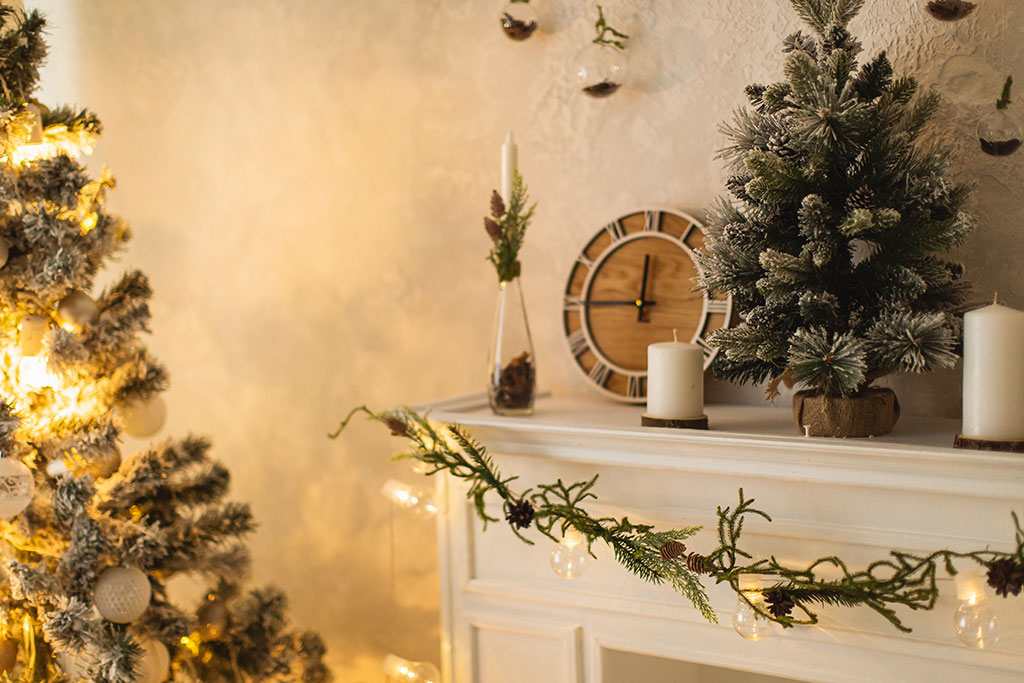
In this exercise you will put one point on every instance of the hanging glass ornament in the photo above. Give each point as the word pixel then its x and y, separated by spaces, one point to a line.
pixel 518 20
pixel 601 66
pixel 76 310
pixel 999 133
pixel 949 10
pixel 143 417
pixel 213 618
pixel 16 487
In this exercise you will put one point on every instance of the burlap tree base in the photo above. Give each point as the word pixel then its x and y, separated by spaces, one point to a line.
pixel 872 412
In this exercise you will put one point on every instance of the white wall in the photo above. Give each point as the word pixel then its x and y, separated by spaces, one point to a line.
pixel 307 178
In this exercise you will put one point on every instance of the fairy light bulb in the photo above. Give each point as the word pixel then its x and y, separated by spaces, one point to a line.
pixel 975 622
pixel 417 502
pixel 400 670
pixel 747 622
pixel 34 373
pixel 570 557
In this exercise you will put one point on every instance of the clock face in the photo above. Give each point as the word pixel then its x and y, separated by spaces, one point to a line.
pixel 631 286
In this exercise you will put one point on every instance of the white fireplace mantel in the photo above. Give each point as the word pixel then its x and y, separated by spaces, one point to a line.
pixel 506 616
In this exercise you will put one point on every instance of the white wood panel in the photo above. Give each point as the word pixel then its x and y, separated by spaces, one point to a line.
pixel 856 498
pixel 513 650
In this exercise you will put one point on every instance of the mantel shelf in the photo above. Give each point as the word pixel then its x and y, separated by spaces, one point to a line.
pixel 754 440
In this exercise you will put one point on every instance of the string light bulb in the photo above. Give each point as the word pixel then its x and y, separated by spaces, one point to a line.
pixel 745 620
pixel 975 622
pixel 417 502
pixel 400 670
pixel 570 558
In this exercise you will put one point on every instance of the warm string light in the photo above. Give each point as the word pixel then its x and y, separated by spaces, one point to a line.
pixel 746 620
pixel 417 502
pixel 974 621
pixel 571 557
pixel 400 670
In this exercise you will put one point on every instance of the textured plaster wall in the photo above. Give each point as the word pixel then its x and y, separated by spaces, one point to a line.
pixel 306 179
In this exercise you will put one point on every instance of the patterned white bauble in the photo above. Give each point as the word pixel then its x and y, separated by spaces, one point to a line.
pixel 144 418
pixel 154 663
pixel 16 487
pixel 121 594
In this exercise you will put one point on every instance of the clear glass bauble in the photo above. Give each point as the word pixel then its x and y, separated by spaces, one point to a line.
pixel 999 133
pixel 600 70
pixel 518 21
pixel 976 624
pixel 511 369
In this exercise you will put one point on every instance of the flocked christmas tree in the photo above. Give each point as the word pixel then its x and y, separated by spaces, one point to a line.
pixel 831 242
pixel 89 541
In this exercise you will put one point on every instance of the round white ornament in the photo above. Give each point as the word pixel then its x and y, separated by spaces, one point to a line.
pixel 121 594
pixel 5 250
pixel 76 310
pixel 153 665
pixel 75 664
pixel 144 418
pixel 16 487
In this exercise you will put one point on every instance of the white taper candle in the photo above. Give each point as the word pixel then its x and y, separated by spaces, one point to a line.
pixel 509 160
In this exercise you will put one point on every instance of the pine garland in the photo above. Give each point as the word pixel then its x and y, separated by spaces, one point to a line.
pixel 900 579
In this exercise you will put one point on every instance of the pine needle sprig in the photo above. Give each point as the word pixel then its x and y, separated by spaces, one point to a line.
pixel 507 228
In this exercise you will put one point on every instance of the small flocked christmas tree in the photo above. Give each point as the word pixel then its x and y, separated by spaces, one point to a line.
pixel 88 542
pixel 831 241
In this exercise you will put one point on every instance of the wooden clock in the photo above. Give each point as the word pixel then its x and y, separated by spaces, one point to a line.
pixel 630 286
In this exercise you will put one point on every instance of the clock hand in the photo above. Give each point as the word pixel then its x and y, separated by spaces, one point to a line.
pixel 643 290
pixel 636 302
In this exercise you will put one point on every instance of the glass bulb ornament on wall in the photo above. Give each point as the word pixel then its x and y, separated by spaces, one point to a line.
pixel 600 70
pixel 949 10
pixel 601 66
pixel 974 621
pixel 998 131
pixel 571 558
pixel 518 20
pixel 417 502
pixel 400 670
pixel 745 620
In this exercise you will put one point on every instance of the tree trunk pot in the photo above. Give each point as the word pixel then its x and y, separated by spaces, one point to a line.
pixel 872 412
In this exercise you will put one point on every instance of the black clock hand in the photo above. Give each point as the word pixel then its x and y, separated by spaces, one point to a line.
pixel 643 290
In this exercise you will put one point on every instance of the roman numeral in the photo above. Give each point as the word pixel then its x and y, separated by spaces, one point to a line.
pixel 578 343
pixel 717 305
pixel 652 221
pixel 708 349
pixel 600 373
pixel 635 388
pixel 616 230
pixel 572 302
pixel 585 260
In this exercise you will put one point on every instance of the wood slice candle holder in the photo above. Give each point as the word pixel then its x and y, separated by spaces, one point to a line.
pixel 971 443
pixel 675 423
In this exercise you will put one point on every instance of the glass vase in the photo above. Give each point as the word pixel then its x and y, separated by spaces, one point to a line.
pixel 511 368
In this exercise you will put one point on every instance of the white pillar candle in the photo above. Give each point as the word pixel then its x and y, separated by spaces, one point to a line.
pixel 994 374
pixel 675 380
pixel 508 167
